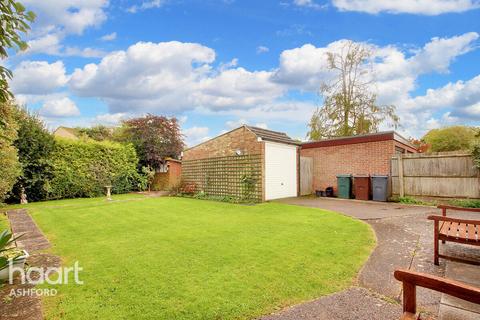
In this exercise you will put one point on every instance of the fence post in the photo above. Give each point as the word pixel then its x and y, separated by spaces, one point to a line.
pixel 400 175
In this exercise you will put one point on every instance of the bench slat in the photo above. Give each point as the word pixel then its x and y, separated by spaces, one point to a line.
pixel 466 231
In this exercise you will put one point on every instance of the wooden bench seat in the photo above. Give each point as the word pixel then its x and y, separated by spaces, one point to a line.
pixel 458 230
pixel 455 231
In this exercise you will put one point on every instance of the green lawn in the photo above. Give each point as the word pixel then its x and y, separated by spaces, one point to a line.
pixel 3 222
pixel 175 258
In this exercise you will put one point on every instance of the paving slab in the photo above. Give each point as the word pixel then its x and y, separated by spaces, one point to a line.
pixel 451 313
pixel 466 273
pixel 26 307
pixel 32 238
pixel 351 304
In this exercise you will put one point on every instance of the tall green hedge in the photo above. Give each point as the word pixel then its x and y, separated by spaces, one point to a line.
pixel 83 168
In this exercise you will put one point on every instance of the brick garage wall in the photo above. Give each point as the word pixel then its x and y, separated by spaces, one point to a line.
pixel 226 145
pixel 360 158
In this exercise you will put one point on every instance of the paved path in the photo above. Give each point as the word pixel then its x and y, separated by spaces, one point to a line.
pixel 26 307
pixel 404 240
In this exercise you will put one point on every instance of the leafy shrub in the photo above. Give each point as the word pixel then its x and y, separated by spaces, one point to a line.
pixel 451 138
pixel 9 165
pixel 411 200
pixel 465 203
pixel 35 145
pixel 83 168
pixel 225 198
pixel 476 155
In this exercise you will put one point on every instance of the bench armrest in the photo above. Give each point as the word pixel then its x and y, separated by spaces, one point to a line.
pixel 444 208
pixel 451 287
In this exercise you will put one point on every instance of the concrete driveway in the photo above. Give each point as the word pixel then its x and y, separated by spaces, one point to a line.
pixel 363 210
pixel 404 240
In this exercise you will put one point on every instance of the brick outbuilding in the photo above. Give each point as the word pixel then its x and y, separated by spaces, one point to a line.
pixel 168 175
pixel 247 162
pixel 357 155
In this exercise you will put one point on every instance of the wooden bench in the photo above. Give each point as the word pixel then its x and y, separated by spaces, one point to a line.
pixel 411 280
pixel 455 230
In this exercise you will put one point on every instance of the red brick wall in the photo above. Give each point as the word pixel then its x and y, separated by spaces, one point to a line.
pixel 174 173
pixel 361 158
pixel 226 145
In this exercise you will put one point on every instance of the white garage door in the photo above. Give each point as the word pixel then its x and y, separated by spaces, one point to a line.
pixel 280 171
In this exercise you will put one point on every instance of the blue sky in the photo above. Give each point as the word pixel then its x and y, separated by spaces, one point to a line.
pixel 216 64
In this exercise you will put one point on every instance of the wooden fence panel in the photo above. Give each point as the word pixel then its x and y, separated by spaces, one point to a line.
pixel 239 177
pixel 439 175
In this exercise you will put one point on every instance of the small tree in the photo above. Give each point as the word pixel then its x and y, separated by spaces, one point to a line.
pixel 149 175
pixel 14 19
pixel 35 146
pixel 155 138
pixel 349 105
pixel 451 138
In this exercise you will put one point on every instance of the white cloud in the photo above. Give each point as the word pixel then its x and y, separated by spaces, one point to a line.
pixel 262 49
pixel 286 111
pixel 237 88
pixel 294 30
pixel 111 118
pixel 172 77
pixel 233 124
pixel 439 52
pixel 305 67
pixel 423 7
pixel 38 77
pixel 147 76
pixel 69 16
pixel 462 97
pixel 109 37
pixel 59 108
pixel 57 19
pixel 146 5
pixel 85 52
pixel 195 135
pixel 49 44
pixel 308 4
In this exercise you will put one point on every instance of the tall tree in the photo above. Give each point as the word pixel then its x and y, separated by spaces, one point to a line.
pixel 155 138
pixel 35 146
pixel 451 138
pixel 14 19
pixel 349 105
